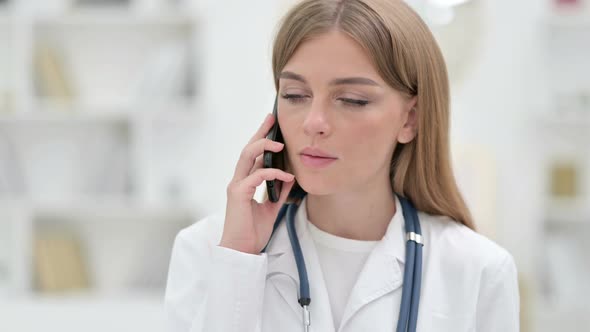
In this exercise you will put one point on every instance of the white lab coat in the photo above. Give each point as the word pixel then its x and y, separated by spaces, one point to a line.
pixel 469 283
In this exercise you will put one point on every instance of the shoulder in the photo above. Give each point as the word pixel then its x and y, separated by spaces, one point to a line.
pixel 459 247
pixel 472 274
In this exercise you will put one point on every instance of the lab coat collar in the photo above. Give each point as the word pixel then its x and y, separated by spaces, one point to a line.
pixel 392 243
pixel 380 275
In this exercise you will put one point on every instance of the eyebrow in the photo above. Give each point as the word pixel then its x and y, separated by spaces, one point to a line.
pixel 336 81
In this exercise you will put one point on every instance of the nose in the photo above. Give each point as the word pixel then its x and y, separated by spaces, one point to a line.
pixel 316 121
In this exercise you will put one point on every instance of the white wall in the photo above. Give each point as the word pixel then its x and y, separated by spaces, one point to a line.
pixel 492 107
pixel 514 79
pixel 238 91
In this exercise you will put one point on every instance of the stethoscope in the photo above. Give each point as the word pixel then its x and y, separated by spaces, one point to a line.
pixel 408 315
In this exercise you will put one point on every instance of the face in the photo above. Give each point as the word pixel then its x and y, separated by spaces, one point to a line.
pixel 332 98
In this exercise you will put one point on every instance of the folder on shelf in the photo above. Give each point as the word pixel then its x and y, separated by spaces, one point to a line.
pixel 165 77
pixel 51 79
pixel 59 265
pixel 564 180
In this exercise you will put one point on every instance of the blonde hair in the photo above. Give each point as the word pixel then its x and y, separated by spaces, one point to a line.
pixel 408 58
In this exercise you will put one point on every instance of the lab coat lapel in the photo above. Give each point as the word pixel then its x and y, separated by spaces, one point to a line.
pixel 382 272
pixel 282 267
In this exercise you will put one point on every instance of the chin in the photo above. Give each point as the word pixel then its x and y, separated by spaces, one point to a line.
pixel 311 185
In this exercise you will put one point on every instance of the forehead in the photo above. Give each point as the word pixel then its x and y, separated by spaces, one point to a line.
pixel 332 54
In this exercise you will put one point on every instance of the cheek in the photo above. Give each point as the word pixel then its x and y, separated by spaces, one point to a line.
pixel 289 127
pixel 364 143
pixel 370 142
pixel 291 137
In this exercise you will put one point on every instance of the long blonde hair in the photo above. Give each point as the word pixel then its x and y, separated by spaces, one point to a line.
pixel 408 58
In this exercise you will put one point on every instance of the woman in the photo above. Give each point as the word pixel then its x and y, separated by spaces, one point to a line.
pixel 361 83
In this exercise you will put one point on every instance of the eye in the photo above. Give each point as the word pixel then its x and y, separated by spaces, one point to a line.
pixel 296 99
pixel 293 99
pixel 355 102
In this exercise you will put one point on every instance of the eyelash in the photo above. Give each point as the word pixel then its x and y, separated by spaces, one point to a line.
pixel 295 99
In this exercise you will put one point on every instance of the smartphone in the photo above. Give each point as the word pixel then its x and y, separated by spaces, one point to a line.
pixel 274 159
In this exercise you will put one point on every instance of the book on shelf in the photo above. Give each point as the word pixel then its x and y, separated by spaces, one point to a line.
pixel 5 102
pixel 11 178
pixel 564 180
pixel 51 78
pixel 150 270
pixel 59 263
pixel 6 87
pixel 4 260
pixel 565 270
pixel 3 273
pixel 166 75
pixel 100 3
pixel 107 171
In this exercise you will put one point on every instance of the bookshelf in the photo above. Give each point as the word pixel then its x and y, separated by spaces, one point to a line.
pixel 6 58
pixel 97 102
pixel 564 226
pixel 563 131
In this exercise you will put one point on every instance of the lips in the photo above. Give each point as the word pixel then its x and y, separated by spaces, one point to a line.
pixel 316 157
pixel 317 153
pixel 316 162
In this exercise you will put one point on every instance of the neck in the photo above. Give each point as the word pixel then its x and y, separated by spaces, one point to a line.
pixel 362 214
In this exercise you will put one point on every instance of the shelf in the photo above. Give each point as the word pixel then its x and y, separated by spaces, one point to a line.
pixel 565 318
pixel 89 297
pixel 566 120
pixel 133 312
pixel 62 118
pixel 5 18
pixel 48 111
pixel 103 209
pixel 115 211
pixel 568 212
pixel 114 19
pixel 567 21
pixel 572 128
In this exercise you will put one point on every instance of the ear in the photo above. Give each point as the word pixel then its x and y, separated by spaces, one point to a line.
pixel 410 122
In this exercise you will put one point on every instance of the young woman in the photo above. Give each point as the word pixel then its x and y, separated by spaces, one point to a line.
pixel 363 106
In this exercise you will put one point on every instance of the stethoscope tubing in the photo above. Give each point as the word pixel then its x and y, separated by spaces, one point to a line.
pixel 412 279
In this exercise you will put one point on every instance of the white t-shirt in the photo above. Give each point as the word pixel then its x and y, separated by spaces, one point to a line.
pixel 341 260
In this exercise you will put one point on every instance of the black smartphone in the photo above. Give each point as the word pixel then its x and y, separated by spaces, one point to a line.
pixel 274 159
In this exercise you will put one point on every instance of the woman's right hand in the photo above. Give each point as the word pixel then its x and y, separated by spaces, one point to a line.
pixel 248 224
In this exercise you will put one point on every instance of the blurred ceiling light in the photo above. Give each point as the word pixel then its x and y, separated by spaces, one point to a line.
pixel 458 28
pixel 447 3
pixel 439 15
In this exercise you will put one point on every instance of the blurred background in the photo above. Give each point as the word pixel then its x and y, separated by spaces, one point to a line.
pixel 121 122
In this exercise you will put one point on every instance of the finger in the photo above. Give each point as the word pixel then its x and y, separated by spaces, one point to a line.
pixel 264 128
pixel 275 207
pixel 259 163
pixel 249 155
pixel 287 186
pixel 255 179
